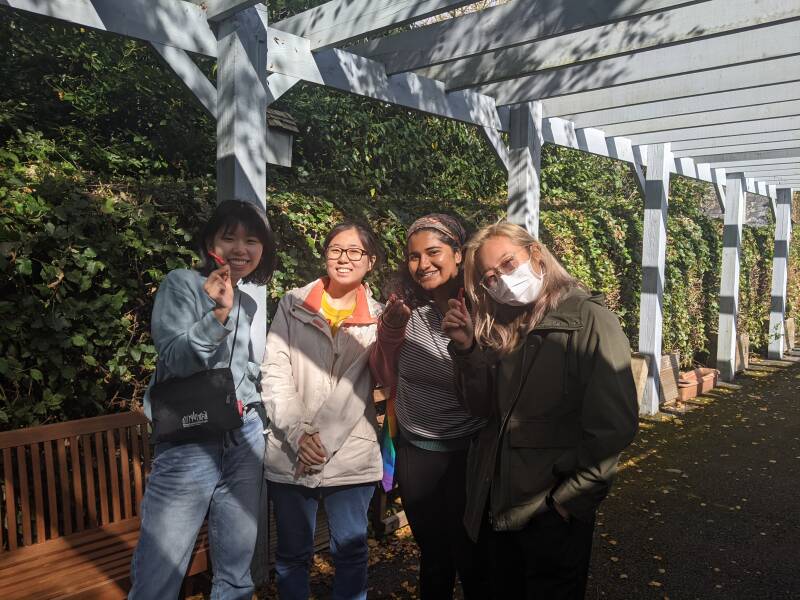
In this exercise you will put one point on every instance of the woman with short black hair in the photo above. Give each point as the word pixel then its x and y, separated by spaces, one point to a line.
pixel 201 321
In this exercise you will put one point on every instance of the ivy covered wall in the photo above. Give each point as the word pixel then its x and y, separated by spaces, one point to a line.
pixel 107 169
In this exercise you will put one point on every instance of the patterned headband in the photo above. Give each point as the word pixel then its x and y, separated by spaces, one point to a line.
pixel 444 224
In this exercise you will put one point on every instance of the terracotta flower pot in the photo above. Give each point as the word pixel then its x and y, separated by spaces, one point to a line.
pixel 696 382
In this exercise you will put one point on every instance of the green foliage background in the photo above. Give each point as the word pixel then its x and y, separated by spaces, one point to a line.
pixel 107 168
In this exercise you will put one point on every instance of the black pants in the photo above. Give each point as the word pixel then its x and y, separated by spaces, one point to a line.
pixel 433 489
pixel 548 560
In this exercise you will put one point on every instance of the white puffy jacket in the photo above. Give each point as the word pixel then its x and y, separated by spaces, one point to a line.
pixel 315 382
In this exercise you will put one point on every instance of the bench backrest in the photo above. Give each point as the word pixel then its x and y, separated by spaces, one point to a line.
pixel 68 477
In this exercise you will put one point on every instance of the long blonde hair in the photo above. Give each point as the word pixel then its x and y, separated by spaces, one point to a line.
pixel 500 327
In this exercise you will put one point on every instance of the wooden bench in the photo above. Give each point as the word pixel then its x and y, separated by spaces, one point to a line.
pixel 69 509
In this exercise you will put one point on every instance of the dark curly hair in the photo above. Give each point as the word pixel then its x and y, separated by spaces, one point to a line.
pixel 449 230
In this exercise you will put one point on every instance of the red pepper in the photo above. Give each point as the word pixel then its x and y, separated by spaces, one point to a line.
pixel 217 259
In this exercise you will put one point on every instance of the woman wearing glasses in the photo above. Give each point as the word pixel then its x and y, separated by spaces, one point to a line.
pixel 549 366
pixel 433 431
pixel 322 440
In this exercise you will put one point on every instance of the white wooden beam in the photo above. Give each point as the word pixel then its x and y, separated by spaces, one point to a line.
pixel 242 109
pixel 183 25
pixel 516 22
pixel 712 131
pixel 773 170
pixel 169 22
pixel 525 160
pixel 339 21
pixel 681 25
pixel 190 75
pixel 217 10
pixel 292 55
pixel 654 243
pixel 747 78
pixel 747 46
pixel 739 165
pixel 725 157
pixel 689 147
pixel 563 133
pixel 788 180
pixel 702 103
pixel 242 128
pixel 773 110
pixel 736 149
pixel 621 149
pixel 729 285
pixel 720 178
pixel 497 144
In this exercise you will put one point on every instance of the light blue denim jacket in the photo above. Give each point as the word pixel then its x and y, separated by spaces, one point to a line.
pixel 189 338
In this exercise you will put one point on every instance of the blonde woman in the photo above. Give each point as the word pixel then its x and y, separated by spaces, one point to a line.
pixel 549 366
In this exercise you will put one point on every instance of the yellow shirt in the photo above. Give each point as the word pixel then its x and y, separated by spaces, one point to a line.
pixel 335 316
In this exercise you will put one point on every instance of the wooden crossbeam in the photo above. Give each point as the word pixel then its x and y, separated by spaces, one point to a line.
pixel 758 44
pixel 703 103
pixel 687 146
pixel 736 148
pixel 699 21
pixel 711 131
pixel 217 10
pixel 771 110
pixel 689 88
pixel 339 21
pixel 517 22
pixel 184 26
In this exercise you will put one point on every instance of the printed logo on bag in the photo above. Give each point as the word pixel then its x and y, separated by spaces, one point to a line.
pixel 195 419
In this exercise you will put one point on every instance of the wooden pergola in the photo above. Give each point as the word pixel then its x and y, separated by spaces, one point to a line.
pixel 707 89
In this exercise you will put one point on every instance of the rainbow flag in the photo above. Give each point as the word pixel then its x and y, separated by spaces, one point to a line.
pixel 388 452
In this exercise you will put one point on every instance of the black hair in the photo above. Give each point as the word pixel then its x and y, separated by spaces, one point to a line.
pixel 228 215
pixel 365 234
pixel 401 282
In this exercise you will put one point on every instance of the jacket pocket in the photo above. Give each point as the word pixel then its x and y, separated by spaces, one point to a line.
pixel 544 433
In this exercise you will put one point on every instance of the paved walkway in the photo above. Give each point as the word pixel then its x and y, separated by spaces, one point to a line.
pixel 705 506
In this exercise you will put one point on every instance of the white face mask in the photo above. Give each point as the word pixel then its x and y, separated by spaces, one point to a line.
pixel 520 287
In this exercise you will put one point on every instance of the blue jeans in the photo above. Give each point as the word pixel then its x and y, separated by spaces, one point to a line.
pixel 295 515
pixel 221 478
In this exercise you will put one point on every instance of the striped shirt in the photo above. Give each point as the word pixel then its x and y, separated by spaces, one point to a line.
pixel 426 404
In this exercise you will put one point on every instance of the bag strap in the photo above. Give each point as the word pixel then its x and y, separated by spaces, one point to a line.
pixel 233 348
pixel 236 330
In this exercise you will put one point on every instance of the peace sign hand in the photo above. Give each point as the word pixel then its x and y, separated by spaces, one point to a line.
pixel 457 323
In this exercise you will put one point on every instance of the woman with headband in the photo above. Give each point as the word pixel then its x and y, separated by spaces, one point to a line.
pixel 432 431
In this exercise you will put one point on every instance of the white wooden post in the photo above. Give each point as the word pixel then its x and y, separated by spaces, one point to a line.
pixel 654 246
pixel 735 190
pixel 242 96
pixel 783 233
pixel 524 165
pixel 242 127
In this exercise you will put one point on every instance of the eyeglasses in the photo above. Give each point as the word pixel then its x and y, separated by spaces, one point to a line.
pixel 508 265
pixel 354 254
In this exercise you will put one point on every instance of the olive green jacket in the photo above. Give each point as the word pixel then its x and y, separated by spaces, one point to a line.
pixel 560 408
